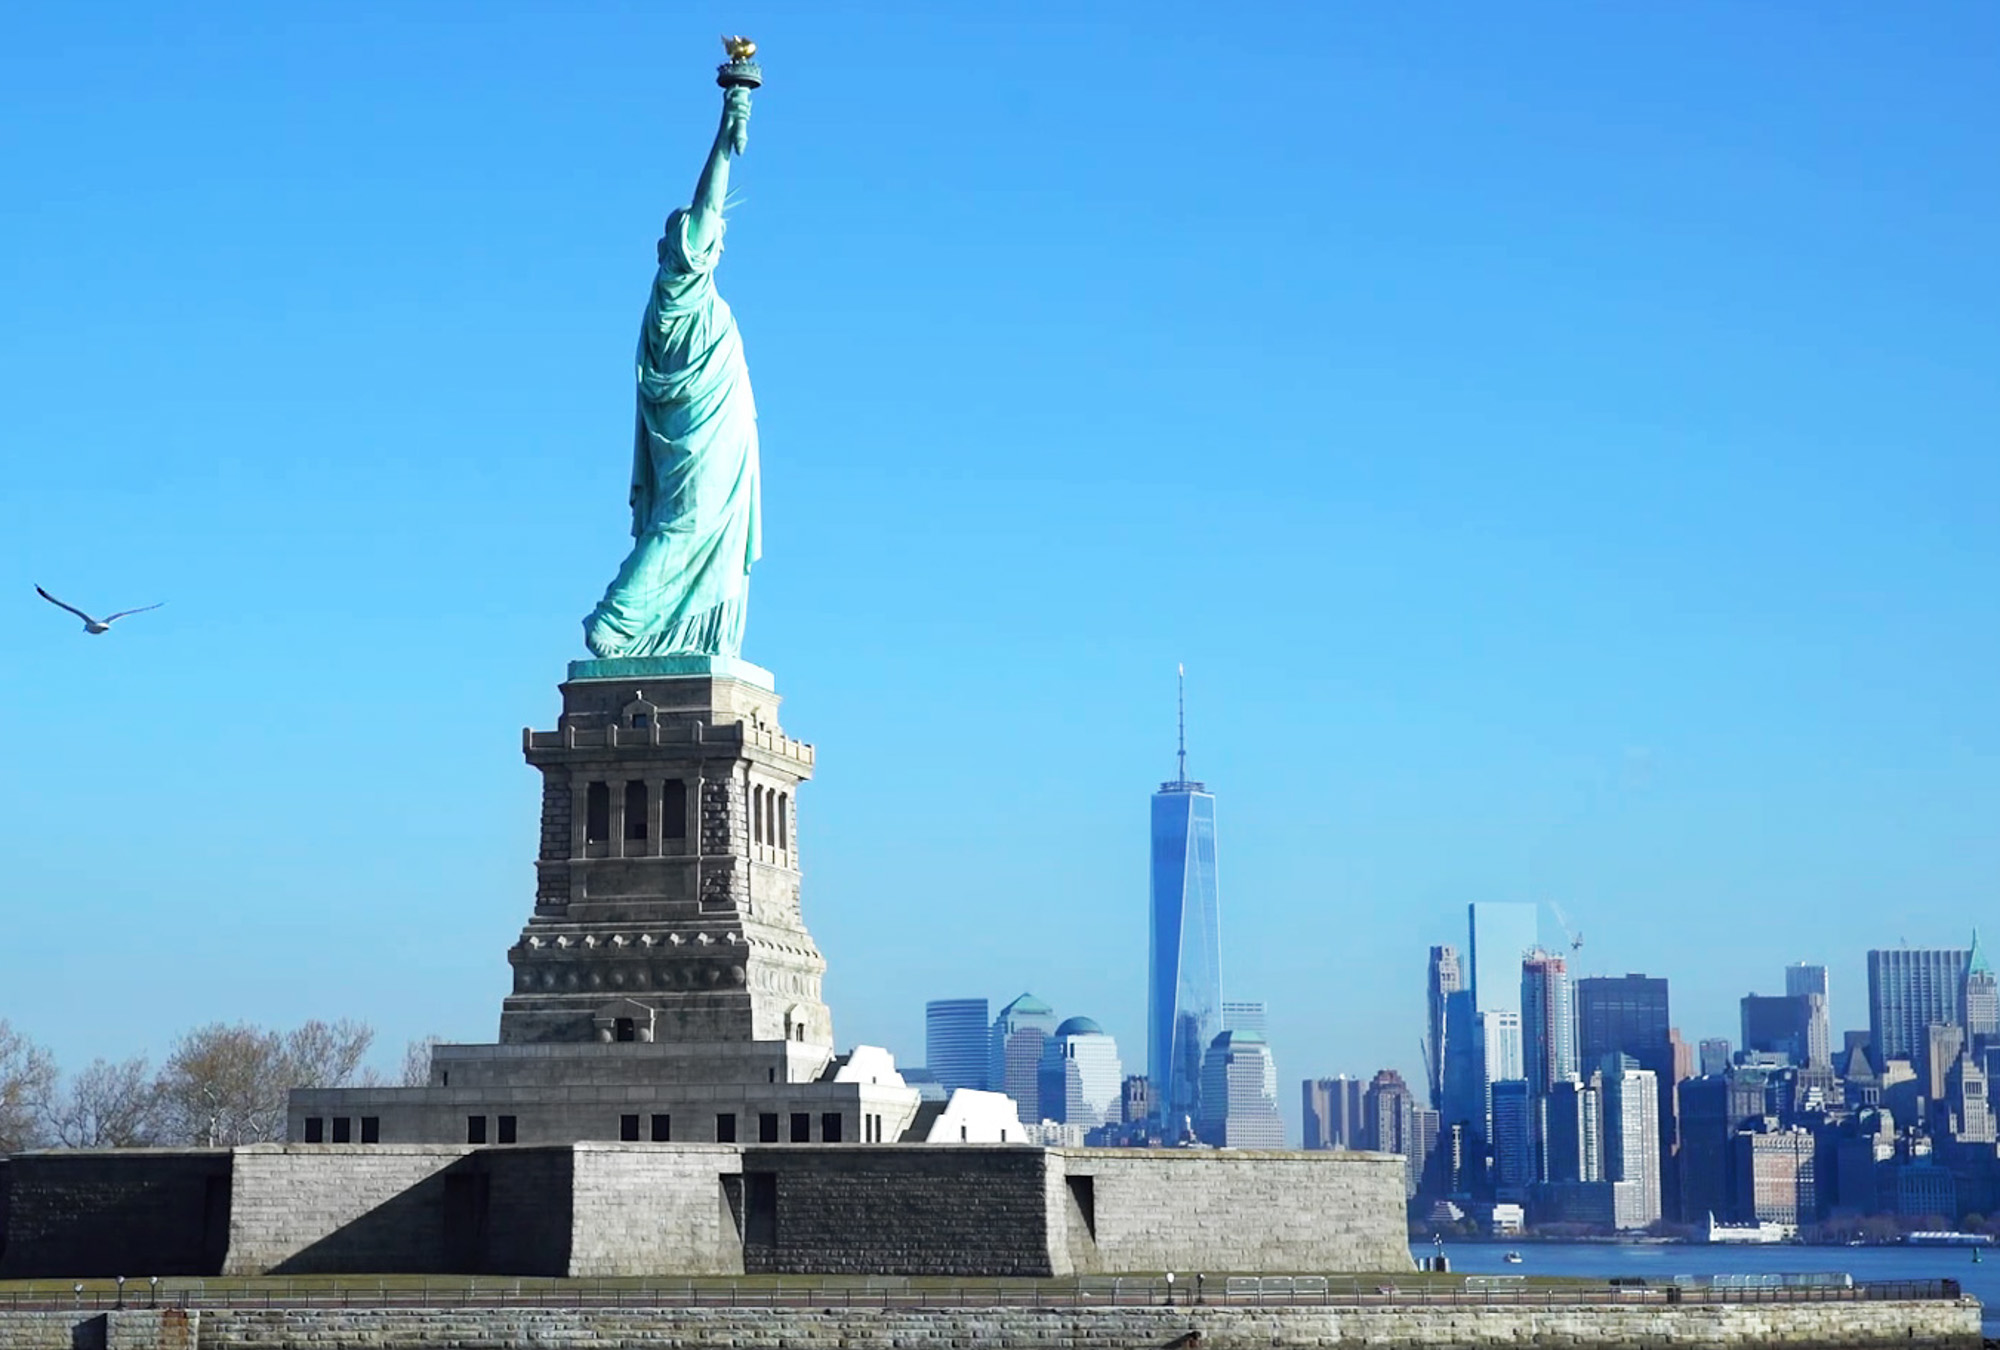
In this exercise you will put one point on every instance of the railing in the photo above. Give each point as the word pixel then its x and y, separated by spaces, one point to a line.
pixel 917 1293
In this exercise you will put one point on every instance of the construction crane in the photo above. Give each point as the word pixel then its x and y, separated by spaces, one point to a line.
pixel 1575 938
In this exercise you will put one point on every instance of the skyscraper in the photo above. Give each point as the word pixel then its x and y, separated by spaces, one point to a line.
pixel 1499 1061
pixel 1239 1094
pixel 1776 1024
pixel 1631 1105
pixel 1136 1096
pixel 1621 1016
pixel 1629 1015
pixel 1014 1062
pixel 1444 981
pixel 1500 1045
pixel 1981 999
pixel 956 1042
pixel 1801 978
pixel 1969 1106
pixel 1464 1085
pixel 1332 1112
pixel 1777 1177
pixel 1081 1076
pixel 1548 1044
pixel 1244 1016
pixel 1513 1139
pixel 1184 969
pixel 1575 1148
pixel 1548 1022
pixel 1707 1161
pixel 1810 982
pixel 1909 990
pixel 1714 1056
pixel 1391 1114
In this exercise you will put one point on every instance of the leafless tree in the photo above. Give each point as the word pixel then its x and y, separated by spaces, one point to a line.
pixel 225 1085
pixel 417 1061
pixel 106 1106
pixel 27 1079
pixel 322 1054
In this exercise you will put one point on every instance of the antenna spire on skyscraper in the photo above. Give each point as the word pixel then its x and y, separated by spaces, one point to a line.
pixel 1180 704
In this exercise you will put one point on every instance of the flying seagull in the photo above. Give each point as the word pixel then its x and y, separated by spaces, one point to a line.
pixel 91 625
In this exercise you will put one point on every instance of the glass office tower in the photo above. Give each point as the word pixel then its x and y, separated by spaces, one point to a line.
pixel 1184 971
pixel 956 1035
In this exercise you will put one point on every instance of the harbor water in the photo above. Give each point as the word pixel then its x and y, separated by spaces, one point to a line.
pixel 1660 1262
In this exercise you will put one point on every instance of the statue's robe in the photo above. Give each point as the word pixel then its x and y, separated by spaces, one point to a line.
pixel 697 511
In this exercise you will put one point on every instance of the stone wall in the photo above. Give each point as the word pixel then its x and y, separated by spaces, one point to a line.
pixel 353 1207
pixel 530 1211
pixel 653 1209
pixel 1228 1209
pixel 134 1212
pixel 1826 1326
pixel 700 1209
pixel 929 1209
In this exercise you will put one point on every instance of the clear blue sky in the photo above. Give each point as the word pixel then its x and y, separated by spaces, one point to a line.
pixel 1559 440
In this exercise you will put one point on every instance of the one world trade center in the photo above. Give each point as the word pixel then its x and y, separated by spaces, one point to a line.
pixel 1184 974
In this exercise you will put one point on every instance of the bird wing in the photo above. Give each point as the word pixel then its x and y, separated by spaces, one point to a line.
pixel 60 605
pixel 123 612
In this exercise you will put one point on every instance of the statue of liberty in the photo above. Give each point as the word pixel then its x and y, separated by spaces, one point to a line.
pixel 696 505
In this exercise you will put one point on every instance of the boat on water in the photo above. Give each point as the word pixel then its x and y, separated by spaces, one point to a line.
pixel 1764 1232
pixel 1511 1258
pixel 1947 1239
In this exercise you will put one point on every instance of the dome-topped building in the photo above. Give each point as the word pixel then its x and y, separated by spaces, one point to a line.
pixel 1082 1077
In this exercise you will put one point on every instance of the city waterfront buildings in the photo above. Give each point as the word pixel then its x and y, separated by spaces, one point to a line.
pixel 1632 1134
pixel 1630 1016
pixel 1784 1025
pixel 1499 1057
pixel 1081 1076
pixel 1391 1114
pixel 1802 978
pixel 1778 1176
pixel 1444 981
pixel 1464 1079
pixel 1331 1113
pixel 1014 1058
pixel 1548 1021
pixel 1239 1094
pixel 1245 1015
pixel 1981 999
pixel 956 1042
pixel 1513 1139
pixel 1574 1147
pixel 1911 989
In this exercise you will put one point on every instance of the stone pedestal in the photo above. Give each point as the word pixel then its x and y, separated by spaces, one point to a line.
pixel 667 895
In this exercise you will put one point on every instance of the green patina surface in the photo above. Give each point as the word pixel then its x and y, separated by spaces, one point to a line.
pixel 696 494
pixel 654 667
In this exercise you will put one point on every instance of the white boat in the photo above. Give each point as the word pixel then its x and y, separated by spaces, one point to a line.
pixel 1948 1239
pixel 1764 1232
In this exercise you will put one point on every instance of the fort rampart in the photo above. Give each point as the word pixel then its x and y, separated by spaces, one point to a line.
pixel 1915 1325
pixel 596 1209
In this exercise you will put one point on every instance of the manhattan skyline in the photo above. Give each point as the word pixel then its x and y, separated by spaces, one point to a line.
pixel 1602 514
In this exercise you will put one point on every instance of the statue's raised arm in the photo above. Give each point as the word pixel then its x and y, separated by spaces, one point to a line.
pixel 697 518
pixel 705 212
